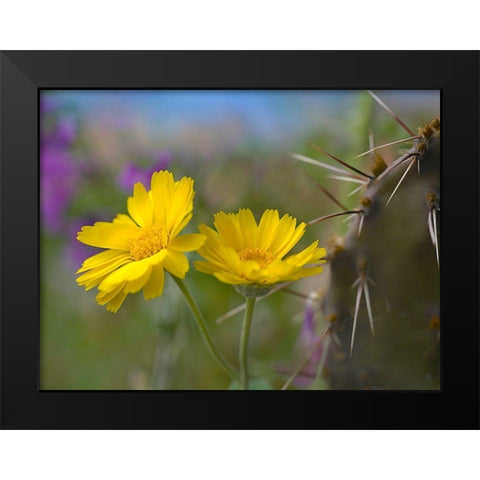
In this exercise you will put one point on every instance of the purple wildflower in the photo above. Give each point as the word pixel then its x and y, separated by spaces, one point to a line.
pixel 57 185
pixel 307 340
pixel 66 131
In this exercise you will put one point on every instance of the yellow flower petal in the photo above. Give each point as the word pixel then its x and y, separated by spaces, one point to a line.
pixel 116 302
pixel 100 259
pixel 104 297
pixel 122 218
pixel 305 256
pixel 182 203
pixel 176 263
pixel 266 229
pixel 292 241
pixel 305 272
pixel 229 230
pixel 127 273
pixel 248 227
pixel 206 267
pixel 188 242
pixel 213 239
pixel 180 226
pixel 113 299
pixel 162 185
pixel 140 206
pixel 136 284
pixel 229 278
pixel 94 276
pixel 285 237
pixel 154 287
pixel 108 235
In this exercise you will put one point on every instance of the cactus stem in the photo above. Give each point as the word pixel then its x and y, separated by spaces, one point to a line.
pixel 401 180
pixel 345 164
pixel 389 110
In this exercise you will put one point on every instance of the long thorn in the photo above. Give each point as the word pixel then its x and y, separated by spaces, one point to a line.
pixel 332 198
pixel 231 313
pixel 371 144
pixel 369 307
pixel 355 316
pixel 401 180
pixel 317 220
pixel 434 215
pixel 342 162
pixel 353 192
pixel 301 295
pixel 395 164
pixel 360 225
pixel 430 227
pixel 303 158
pixel 356 282
pixel 348 179
pixel 348 218
pixel 323 358
pixel 242 306
pixel 389 110
pixel 386 145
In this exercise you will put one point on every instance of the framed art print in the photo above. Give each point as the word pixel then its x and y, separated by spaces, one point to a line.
pixel 239 239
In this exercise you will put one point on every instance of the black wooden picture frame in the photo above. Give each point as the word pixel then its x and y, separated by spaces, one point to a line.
pixel 24 73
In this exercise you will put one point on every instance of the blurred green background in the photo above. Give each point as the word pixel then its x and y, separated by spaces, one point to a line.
pixel 237 147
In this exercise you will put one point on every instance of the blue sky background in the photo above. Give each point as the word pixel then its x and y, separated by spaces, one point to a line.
pixel 273 114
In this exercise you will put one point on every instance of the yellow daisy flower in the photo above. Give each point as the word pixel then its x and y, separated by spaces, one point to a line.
pixel 241 252
pixel 142 244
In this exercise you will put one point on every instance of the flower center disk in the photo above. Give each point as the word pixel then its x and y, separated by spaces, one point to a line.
pixel 262 257
pixel 150 242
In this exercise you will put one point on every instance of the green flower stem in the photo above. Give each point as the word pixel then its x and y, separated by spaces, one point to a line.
pixel 247 320
pixel 202 326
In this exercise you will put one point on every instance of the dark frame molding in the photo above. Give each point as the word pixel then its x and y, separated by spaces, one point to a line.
pixel 23 73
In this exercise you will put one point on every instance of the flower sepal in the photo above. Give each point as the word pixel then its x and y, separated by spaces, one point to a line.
pixel 252 290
